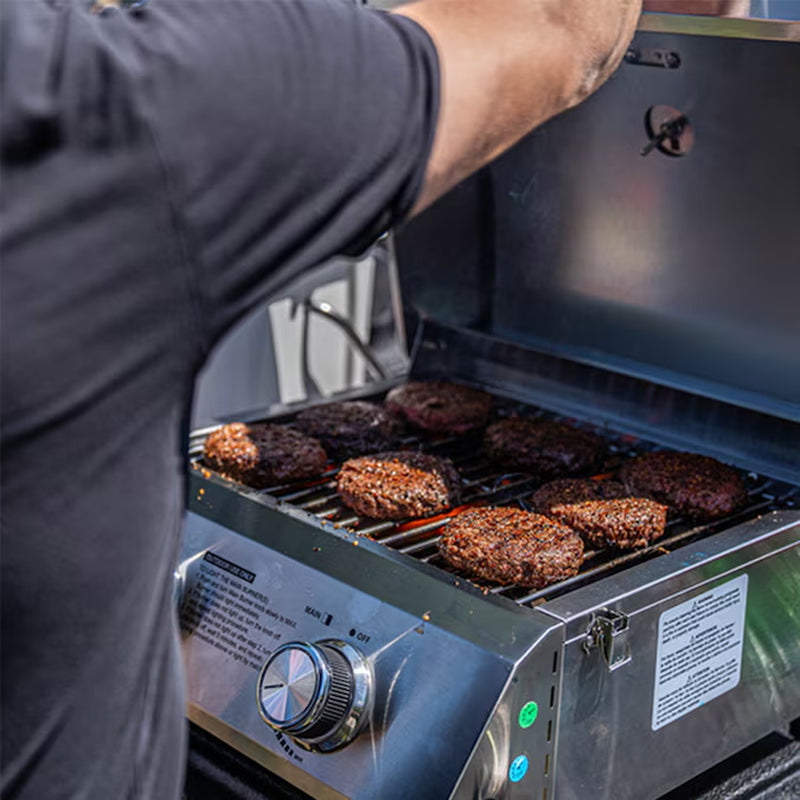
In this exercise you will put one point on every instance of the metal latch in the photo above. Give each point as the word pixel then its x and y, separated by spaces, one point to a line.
pixel 608 631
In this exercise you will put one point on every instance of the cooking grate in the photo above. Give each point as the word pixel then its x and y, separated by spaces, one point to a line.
pixel 483 484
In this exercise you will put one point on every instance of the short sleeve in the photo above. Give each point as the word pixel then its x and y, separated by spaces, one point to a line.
pixel 290 131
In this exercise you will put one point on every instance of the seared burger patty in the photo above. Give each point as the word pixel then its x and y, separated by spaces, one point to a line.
pixel 574 490
pixel 511 546
pixel 263 455
pixel 625 523
pixel 692 485
pixel 440 407
pixel 350 428
pixel 602 512
pixel 544 448
pixel 399 485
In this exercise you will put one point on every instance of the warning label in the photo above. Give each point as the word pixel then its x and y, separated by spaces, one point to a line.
pixel 699 654
pixel 229 614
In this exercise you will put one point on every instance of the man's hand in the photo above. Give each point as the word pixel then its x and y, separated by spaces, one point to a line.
pixel 508 66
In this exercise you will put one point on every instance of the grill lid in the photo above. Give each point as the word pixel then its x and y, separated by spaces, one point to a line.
pixel 682 271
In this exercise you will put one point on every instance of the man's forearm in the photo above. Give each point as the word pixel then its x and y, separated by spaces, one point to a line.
pixel 509 66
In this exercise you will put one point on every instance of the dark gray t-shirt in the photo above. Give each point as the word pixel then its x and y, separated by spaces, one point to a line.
pixel 162 171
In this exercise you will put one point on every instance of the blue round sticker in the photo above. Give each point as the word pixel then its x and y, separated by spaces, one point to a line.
pixel 518 768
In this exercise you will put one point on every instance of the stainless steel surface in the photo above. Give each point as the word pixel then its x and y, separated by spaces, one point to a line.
pixel 720 27
pixel 469 663
pixel 606 726
pixel 292 684
pixel 442 657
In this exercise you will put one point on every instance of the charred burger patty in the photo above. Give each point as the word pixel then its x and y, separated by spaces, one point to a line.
pixel 263 455
pixel 602 512
pixel 625 523
pixel 350 428
pixel 511 546
pixel 695 486
pixel 439 407
pixel 574 490
pixel 544 448
pixel 398 485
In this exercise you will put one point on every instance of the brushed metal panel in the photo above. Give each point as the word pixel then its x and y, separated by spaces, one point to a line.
pixel 775 28
pixel 607 747
pixel 684 269
pixel 442 656
pixel 433 691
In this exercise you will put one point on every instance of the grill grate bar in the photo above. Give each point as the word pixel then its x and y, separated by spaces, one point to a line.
pixel 297 496
pixel 344 521
pixel 319 505
pixel 373 529
pixel 420 547
pixel 411 534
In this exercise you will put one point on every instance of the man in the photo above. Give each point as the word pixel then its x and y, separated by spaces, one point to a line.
pixel 166 166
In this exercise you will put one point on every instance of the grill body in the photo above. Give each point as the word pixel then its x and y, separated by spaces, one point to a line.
pixel 489 691
pixel 456 667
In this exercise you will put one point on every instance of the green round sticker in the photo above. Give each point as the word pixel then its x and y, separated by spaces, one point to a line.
pixel 527 716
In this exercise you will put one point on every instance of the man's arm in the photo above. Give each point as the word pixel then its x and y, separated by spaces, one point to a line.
pixel 508 66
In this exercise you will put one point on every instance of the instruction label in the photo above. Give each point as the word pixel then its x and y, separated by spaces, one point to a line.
pixel 225 610
pixel 699 655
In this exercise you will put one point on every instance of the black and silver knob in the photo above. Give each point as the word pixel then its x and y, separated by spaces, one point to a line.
pixel 318 693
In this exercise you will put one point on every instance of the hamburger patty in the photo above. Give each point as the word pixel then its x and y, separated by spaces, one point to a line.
pixel 602 512
pixel 264 454
pixel 508 545
pixel 399 485
pixel 574 490
pixel 350 428
pixel 692 485
pixel 626 522
pixel 544 448
pixel 440 407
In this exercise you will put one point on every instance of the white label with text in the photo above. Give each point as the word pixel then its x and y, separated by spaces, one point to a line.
pixel 699 654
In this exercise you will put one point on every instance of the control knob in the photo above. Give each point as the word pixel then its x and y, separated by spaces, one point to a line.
pixel 318 693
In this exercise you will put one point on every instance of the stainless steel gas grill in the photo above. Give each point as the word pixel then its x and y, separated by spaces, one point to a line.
pixel 290 566
pixel 579 280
